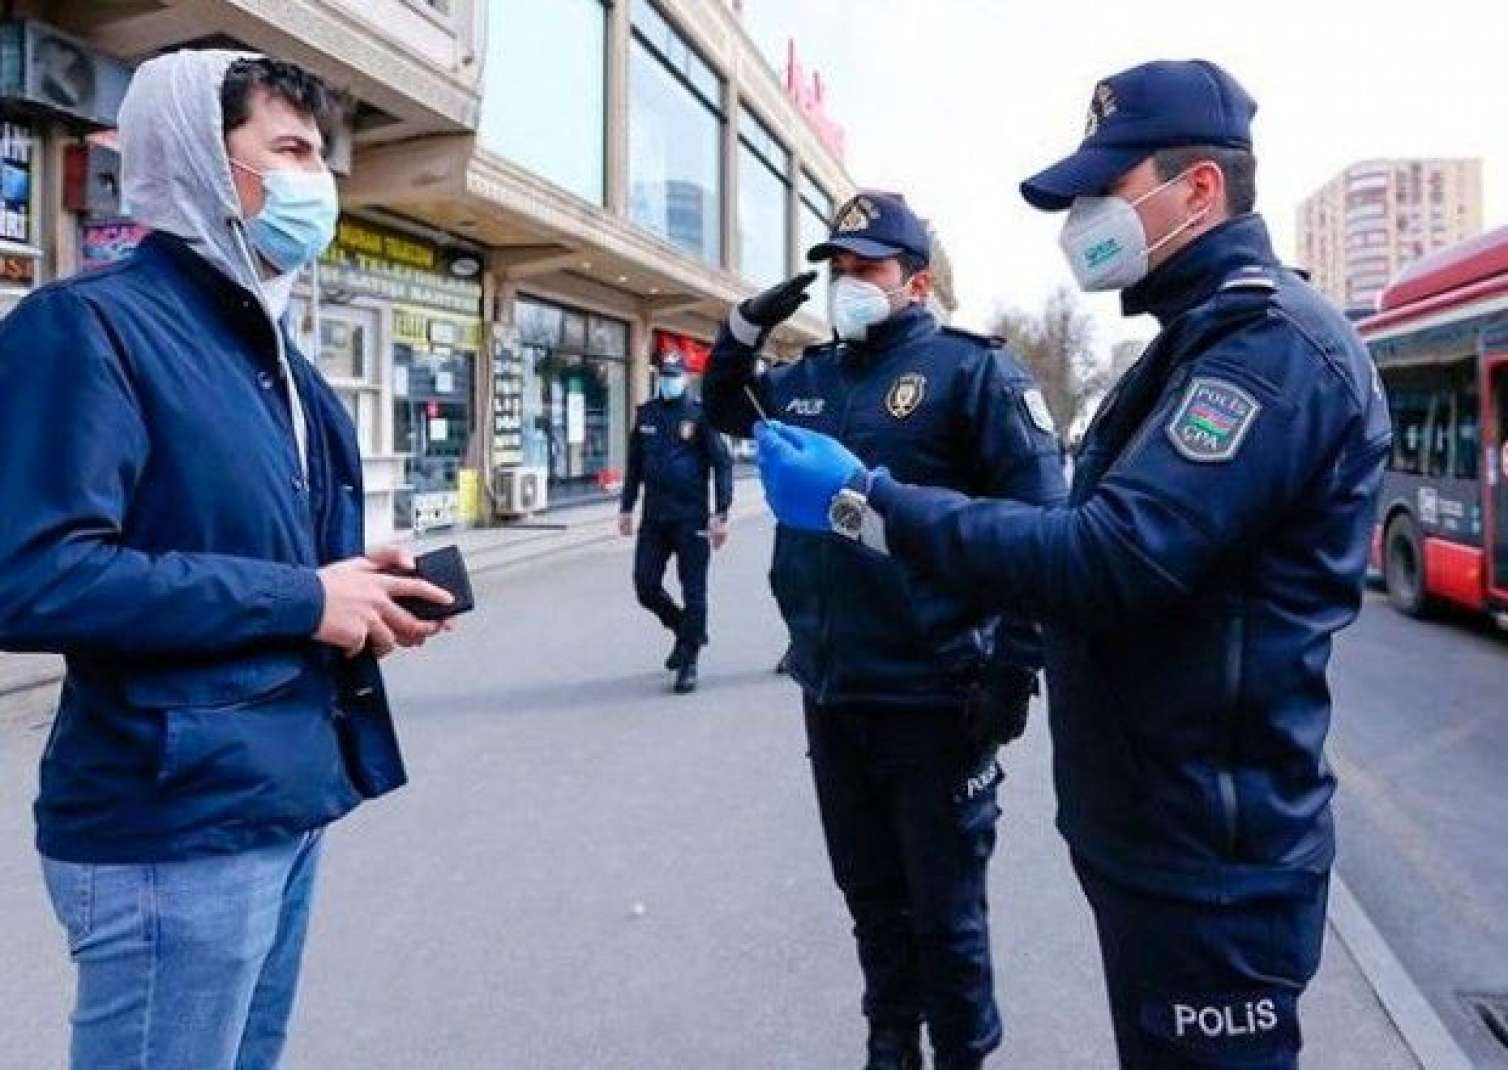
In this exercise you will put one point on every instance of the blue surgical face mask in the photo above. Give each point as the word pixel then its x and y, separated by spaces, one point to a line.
pixel 297 220
pixel 673 388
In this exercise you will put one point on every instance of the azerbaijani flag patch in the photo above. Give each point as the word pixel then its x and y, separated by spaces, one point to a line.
pixel 1212 420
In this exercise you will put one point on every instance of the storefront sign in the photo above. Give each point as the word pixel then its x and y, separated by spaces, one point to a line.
pixel 810 97
pixel 695 352
pixel 17 271
pixel 16 145
pixel 366 259
pixel 507 405
pixel 423 329
pixel 105 243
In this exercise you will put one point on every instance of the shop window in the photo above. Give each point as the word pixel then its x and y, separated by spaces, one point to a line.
pixel 534 51
pixel 347 357
pixel 675 139
pixel 575 397
pixel 763 193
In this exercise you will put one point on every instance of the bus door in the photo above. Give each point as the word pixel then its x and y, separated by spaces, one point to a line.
pixel 1496 408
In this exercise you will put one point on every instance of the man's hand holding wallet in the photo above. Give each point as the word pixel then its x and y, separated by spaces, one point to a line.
pixel 390 598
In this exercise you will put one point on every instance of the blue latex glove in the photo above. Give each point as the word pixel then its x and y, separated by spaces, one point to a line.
pixel 802 470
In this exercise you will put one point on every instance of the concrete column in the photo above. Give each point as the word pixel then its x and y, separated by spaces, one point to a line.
pixel 640 337
pixel 795 259
pixel 730 177
pixel 616 179
pixel 54 230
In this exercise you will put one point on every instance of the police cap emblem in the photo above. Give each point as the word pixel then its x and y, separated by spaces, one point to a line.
pixel 1212 420
pixel 859 214
pixel 1101 106
pixel 906 395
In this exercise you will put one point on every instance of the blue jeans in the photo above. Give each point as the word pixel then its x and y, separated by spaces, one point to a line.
pixel 186 965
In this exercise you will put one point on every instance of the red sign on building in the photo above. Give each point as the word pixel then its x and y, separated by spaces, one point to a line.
pixel 810 96
pixel 696 353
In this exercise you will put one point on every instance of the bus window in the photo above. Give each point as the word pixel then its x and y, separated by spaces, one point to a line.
pixel 1441 428
pixel 1468 446
pixel 1410 414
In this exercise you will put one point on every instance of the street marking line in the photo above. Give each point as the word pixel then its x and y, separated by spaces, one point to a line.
pixel 1421 1028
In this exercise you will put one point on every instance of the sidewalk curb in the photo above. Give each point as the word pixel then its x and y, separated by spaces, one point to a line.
pixel 1421 1028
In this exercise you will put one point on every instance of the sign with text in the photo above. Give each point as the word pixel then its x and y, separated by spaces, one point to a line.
pixel 368 259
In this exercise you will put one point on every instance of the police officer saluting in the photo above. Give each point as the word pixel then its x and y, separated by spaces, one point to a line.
pixel 672 451
pixel 1215 540
pixel 908 691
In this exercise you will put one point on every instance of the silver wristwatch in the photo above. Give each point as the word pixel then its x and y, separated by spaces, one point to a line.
pixel 845 515
pixel 850 516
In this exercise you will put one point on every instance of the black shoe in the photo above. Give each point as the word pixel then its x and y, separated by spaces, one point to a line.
pixel 685 677
pixel 894 1049
pixel 678 654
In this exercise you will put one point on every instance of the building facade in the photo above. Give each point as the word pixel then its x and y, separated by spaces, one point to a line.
pixel 536 197
pixel 1375 218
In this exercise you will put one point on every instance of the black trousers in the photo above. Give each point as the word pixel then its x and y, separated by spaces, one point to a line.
pixel 1202 984
pixel 686 541
pixel 908 808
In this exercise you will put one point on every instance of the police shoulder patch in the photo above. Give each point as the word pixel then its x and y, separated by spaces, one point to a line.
pixel 1212 420
pixel 1036 408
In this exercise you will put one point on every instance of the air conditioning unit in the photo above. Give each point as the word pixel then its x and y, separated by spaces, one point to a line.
pixel 47 69
pixel 519 491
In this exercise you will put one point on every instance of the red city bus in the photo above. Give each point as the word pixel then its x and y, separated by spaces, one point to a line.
pixel 1440 339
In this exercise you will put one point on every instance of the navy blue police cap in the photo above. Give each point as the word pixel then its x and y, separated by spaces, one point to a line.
pixel 1134 113
pixel 875 226
pixel 672 365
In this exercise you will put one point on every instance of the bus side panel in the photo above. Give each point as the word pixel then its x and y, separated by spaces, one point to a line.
pixel 1495 464
pixel 1456 573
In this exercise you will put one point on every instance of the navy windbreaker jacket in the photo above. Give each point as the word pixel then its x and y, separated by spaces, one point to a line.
pixel 159 531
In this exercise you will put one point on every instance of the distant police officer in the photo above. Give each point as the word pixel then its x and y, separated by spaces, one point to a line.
pixel 672 452
pixel 1215 540
pixel 908 691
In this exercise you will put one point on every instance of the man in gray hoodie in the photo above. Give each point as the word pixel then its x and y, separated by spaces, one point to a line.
pixel 183 523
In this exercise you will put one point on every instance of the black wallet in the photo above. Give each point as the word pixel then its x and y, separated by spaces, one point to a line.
pixel 445 568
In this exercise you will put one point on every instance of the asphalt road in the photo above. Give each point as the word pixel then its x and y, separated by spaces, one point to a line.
pixel 1420 743
pixel 588 873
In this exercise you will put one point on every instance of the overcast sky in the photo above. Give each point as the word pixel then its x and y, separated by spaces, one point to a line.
pixel 955 101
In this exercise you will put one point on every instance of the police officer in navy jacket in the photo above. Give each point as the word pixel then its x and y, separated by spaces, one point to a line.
pixel 673 454
pixel 909 690
pixel 1214 541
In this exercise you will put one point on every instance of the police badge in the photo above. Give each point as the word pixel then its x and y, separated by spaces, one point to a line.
pixel 688 430
pixel 906 395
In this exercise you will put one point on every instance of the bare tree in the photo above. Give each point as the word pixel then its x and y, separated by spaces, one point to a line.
pixel 1056 345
